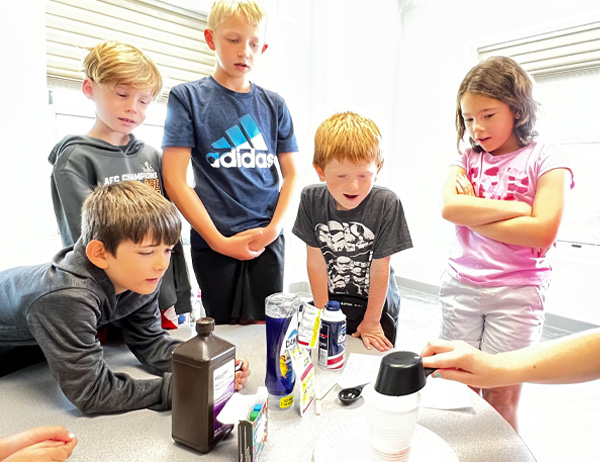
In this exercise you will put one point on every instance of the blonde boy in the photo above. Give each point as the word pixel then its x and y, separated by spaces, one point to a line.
pixel 235 133
pixel 121 81
pixel 352 228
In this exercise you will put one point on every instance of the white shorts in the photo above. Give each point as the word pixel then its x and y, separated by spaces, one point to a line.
pixel 492 319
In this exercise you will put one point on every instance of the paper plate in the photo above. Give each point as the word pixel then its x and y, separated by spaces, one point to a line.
pixel 347 441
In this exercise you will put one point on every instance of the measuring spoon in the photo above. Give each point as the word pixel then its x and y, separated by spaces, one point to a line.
pixel 351 394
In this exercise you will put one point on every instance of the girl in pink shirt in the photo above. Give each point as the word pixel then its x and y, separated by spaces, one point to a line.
pixel 505 194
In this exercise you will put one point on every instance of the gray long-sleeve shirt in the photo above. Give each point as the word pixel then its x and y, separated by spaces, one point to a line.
pixel 60 306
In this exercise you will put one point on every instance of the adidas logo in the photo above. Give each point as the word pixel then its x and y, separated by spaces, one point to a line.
pixel 243 146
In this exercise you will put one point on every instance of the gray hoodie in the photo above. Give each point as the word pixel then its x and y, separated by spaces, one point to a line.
pixel 60 306
pixel 82 162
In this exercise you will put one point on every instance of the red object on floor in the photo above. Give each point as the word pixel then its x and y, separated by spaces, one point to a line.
pixel 165 322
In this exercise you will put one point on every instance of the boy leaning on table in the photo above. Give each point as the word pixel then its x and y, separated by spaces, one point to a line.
pixel 352 228
pixel 111 275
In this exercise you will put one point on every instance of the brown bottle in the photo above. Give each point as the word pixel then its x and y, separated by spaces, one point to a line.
pixel 203 381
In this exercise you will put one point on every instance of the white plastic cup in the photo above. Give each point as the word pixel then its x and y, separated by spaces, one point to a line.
pixel 391 422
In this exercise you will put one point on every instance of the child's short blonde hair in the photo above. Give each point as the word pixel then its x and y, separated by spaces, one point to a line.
pixel 222 9
pixel 347 136
pixel 129 210
pixel 116 63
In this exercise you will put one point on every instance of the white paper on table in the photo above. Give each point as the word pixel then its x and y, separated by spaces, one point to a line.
pixel 446 394
pixel 359 369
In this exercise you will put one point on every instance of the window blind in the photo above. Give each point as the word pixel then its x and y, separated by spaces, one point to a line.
pixel 565 64
pixel 563 50
pixel 173 37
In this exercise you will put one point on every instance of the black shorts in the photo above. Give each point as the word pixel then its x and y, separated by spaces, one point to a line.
pixel 15 358
pixel 235 290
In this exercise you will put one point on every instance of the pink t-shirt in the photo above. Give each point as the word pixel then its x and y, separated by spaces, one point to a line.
pixel 479 260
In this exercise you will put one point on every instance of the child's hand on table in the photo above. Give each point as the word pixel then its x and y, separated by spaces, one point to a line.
pixel 372 336
pixel 242 373
pixel 40 444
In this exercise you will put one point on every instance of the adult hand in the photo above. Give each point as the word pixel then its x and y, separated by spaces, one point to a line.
pixel 372 336
pixel 459 361
pixel 241 376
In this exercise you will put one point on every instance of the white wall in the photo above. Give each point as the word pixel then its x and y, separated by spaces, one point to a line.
pixel 435 51
pixel 398 62
pixel 322 58
pixel 25 207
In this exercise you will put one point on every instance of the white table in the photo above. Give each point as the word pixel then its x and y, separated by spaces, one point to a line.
pixel 31 397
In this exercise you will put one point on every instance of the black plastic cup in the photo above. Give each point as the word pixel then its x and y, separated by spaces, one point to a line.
pixel 401 373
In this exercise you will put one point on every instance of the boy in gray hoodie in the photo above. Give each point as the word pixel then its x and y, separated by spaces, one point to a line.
pixel 111 275
pixel 122 82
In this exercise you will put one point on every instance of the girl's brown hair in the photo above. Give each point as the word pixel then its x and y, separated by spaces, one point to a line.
pixel 503 79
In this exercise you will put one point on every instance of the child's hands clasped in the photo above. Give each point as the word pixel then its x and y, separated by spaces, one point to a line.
pixel 269 234
pixel 242 246
pixel 241 376
pixel 40 444
pixel 372 336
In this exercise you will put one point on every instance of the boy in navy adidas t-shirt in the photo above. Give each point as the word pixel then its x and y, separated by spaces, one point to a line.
pixel 234 132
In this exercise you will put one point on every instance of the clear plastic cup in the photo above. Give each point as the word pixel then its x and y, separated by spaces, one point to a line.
pixel 391 422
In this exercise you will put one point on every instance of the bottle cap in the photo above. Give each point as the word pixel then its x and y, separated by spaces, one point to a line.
pixel 205 326
pixel 332 305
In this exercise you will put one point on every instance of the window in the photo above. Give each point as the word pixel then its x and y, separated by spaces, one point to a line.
pixel 565 65
pixel 173 37
pixel 571 101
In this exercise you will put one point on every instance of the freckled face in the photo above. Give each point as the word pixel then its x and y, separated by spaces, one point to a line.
pixel 349 183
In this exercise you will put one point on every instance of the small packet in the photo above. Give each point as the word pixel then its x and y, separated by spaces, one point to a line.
pixel 308 327
pixel 250 413
pixel 305 371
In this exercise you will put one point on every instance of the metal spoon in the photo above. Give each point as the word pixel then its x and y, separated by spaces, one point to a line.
pixel 351 394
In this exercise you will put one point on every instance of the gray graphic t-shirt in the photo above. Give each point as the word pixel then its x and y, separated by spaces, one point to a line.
pixel 351 239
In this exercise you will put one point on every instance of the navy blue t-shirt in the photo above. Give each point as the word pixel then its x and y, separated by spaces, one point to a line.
pixel 235 139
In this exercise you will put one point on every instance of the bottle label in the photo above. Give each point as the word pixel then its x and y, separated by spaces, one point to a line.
pixel 308 329
pixel 286 401
pixel 332 344
pixel 282 336
pixel 290 342
pixel 223 388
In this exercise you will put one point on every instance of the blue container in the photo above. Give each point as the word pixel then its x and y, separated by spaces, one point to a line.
pixel 282 335
pixel 332 337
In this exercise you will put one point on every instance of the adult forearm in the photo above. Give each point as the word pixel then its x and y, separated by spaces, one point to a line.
pixel 568 360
